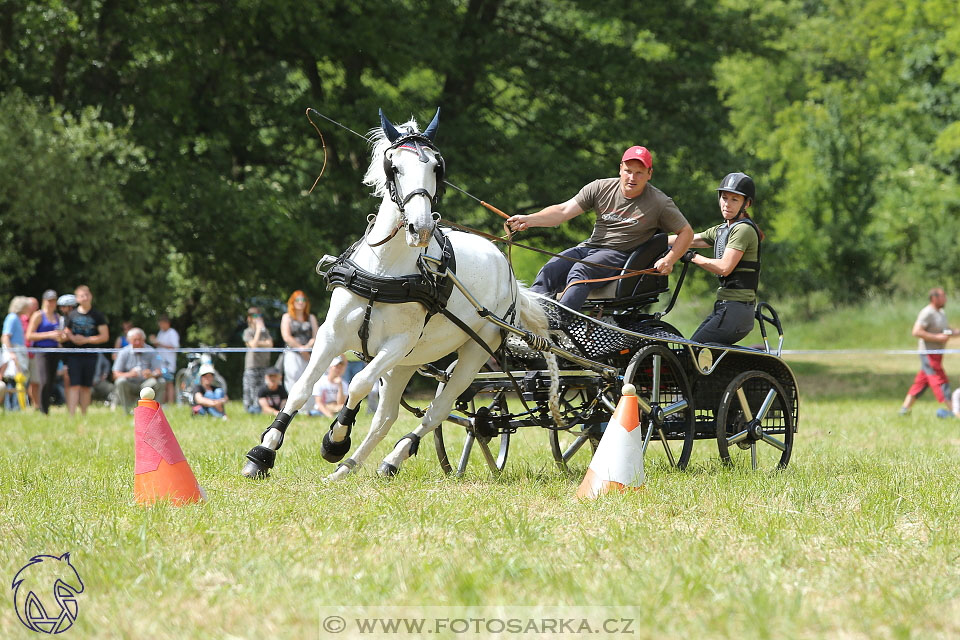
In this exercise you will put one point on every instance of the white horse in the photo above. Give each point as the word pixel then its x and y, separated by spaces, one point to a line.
pixel 406 172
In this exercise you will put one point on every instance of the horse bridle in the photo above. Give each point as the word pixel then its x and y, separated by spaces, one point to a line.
pixel 416 142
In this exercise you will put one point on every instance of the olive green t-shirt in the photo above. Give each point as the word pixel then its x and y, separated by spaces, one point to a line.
pixel 625 223
pixel 742 237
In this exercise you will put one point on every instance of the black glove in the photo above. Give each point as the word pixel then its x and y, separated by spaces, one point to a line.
pixel 688 256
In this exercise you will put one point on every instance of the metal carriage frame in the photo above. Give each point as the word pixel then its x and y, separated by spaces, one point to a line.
pixel 746 399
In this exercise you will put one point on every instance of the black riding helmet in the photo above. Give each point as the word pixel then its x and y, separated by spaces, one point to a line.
pixel 739 183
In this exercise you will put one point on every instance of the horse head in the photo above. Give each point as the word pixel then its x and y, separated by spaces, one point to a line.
pixel 412 170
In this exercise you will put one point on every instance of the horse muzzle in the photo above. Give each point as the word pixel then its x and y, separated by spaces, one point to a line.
pixel 419 236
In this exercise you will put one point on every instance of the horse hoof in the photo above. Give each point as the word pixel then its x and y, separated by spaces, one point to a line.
pixel 387 470
pixel 334 451
pixel 339 474
pixel 260 460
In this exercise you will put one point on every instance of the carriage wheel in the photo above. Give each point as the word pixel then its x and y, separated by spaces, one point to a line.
pixel 657 374
pixel 180 381
pixel 565 444
pixel 480 433
pixel 754 415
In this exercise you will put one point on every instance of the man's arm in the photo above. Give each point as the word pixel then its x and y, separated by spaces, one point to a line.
pixel 121 367
pixel 697 243
pixel 266 408
pixel 680 245
pixel 919 331
pixel 551 216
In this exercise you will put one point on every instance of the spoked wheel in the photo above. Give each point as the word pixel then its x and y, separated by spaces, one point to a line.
pixel 661 382
pixel 180 382
pixel 480 432
pixel 754 419
pixel 567 444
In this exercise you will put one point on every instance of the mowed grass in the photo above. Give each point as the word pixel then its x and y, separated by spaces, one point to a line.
pixel 858 538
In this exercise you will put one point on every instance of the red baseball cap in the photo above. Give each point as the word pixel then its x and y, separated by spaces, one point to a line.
pixel 638 153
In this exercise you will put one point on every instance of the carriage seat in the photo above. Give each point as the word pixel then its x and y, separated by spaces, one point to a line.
pixel 638 290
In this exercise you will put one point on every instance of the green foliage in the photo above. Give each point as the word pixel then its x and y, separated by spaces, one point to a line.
pixel 64 219
pixel 174 134
pixel 852 128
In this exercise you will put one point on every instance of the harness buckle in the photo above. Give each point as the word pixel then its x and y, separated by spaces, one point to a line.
pixel 324 264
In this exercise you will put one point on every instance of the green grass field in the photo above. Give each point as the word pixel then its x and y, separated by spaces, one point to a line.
pixel 858 538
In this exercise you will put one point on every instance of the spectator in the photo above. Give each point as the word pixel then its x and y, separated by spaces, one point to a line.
pixel 932 330
pixel 103 389
pixel 255 363
pixel 330 392
pixel 121 340
pixel 298 328
pixel 65 303
pixel 167 341
pixel 13 339
pixel 85 328
pixel 271 396
pixel 44 331
pixel 33 386
pixel 208 398
pixel 137 367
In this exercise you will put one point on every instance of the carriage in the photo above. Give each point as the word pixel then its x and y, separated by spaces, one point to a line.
pixel 408 293
pixel 744 398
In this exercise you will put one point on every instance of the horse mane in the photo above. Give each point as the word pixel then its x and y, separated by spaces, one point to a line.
pixel 374 177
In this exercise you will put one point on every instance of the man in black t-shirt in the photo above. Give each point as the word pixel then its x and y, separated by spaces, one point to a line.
pixel 272 396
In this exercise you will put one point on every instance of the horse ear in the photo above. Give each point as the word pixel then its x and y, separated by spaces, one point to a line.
pixel 431 130
pixel 389 129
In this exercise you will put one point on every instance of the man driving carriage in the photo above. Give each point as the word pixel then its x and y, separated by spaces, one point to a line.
pixel 629 211
pixel 736 261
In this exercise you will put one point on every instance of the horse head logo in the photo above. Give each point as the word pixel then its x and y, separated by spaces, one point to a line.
pixel 45 594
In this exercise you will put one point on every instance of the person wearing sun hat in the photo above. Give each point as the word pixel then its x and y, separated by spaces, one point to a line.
pixel 209 398
pixel 630 211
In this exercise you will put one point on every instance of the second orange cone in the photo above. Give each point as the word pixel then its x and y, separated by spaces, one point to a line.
pixel 618 463
pixel 161 471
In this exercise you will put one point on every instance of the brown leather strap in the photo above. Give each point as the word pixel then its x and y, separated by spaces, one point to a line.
pixel 620 277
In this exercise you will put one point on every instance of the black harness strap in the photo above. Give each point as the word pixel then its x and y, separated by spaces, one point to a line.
pixel 423 287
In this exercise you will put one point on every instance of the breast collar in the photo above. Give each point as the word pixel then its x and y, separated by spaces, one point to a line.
pixel 432 291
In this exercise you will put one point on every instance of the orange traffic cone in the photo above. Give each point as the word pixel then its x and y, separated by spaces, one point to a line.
pixel 618 462
pixel 161 471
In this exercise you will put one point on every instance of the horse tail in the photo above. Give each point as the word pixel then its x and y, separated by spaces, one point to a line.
pixel 533 318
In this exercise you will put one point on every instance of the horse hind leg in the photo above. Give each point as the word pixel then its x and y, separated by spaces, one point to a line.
pixel 471 359
pixel 394 382
pixel 336 442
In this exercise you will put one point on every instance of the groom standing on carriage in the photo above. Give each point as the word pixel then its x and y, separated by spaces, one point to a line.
pixel 629 210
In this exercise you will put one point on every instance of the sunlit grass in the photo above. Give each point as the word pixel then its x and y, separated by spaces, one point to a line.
pixel 859 537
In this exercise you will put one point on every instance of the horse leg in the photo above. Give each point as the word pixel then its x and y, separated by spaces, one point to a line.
pixel 394 382
pixel 261 458
pixel 336 442
pixel 471 359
